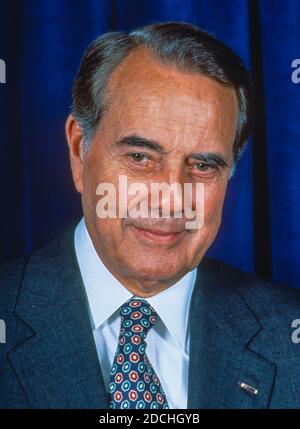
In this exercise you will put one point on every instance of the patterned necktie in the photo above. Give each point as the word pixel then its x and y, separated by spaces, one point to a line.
pixel 133 382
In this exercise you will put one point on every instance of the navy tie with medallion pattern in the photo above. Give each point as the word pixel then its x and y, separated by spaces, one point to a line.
pixel 133 382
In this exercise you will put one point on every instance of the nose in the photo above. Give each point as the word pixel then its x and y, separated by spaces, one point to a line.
pixel 166 194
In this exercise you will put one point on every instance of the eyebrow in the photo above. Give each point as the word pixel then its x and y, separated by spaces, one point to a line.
pixel 137 141
pixel 211 158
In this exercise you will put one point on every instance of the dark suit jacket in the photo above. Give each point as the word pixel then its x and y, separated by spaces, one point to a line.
pixel 240 332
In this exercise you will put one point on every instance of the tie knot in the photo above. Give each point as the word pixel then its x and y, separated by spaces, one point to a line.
pixel 137 317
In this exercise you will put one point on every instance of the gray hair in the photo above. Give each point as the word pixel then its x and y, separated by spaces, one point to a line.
pixel 176 44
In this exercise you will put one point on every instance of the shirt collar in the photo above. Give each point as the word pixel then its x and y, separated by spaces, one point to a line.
pixel 102 287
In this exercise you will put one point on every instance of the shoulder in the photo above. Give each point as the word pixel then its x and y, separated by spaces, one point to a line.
pixel 243 281
pixel 13 271
pixel 36 270
pixel 266 299
pixel 11 274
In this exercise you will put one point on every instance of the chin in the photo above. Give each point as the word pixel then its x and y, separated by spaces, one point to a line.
pixel 158 271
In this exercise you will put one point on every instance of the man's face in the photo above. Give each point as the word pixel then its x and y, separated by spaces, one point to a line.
pixel 186 116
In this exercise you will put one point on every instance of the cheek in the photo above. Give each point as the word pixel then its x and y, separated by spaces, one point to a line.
pixel 95 171
pixel 213 204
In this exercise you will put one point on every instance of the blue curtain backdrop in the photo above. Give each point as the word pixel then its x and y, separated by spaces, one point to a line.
pixel 42 41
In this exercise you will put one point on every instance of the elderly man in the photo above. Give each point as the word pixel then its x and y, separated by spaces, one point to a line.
pixel 124 311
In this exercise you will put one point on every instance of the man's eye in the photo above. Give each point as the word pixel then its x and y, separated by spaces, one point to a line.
pixel 205 170
pixel 138 157
pixel 202 166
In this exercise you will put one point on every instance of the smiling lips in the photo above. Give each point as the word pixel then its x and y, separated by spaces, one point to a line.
pixel 158 236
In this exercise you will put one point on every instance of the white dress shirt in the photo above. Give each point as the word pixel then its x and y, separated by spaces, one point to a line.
pixel 168 340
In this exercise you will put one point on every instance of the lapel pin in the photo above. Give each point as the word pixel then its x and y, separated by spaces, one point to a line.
pixel 248 388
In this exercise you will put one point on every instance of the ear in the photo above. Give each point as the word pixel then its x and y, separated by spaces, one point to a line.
pixel 75 143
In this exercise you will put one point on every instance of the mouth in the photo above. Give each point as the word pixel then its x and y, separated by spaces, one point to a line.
pixel 158 236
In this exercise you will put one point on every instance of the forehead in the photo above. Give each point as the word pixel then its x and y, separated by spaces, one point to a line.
pixel 157 101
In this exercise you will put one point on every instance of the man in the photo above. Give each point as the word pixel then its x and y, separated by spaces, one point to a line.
pixel 125 311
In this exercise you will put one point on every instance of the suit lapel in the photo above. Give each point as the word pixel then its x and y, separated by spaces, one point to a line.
pixel 57 364
pixel 224 346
